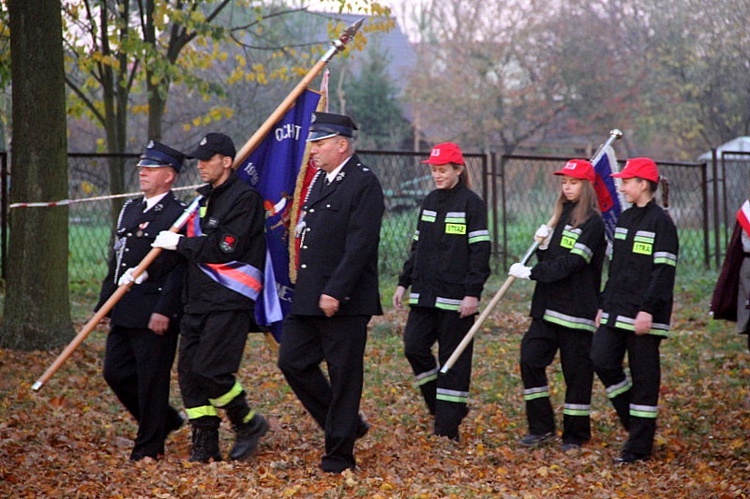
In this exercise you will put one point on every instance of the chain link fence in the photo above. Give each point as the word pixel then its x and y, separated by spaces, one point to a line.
pixel 528 189
pixel 520 192
pixel 731 172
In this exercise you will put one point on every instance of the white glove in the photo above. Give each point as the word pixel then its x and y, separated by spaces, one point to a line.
pixel 127 277
pixel 543 234
pixel 520 271
pixel 167 240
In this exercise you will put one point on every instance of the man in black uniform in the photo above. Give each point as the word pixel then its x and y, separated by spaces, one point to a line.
pixel 336 291
pixel 144 324
pixel 226 254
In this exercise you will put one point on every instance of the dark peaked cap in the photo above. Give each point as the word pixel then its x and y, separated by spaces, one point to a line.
pixel 326 125
pixel 157 155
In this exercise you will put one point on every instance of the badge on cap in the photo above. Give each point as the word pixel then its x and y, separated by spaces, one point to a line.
pixel 150 144
pixel 228 243
pixel 203 141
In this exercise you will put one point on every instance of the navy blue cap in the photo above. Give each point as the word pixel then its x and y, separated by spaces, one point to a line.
pixel 326 125
pixel 213 143
pixel 158 155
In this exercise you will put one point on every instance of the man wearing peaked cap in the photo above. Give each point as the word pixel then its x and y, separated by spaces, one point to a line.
pixel 326 125
pixel 336 291
pixel 225 251
pixel 157 154
pixel 144 324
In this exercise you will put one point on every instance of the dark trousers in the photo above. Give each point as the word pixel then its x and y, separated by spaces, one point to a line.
pixel 334 404
pixel 211 349
pixel 538 348
pixel 635 401
pixel 137 366
pixel 445 394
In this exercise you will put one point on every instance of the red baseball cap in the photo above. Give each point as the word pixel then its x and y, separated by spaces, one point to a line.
pixel 578 168
pixel 444 153
pixel 639 167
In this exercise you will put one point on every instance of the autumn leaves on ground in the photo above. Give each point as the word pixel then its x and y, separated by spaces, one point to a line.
pixel 72 438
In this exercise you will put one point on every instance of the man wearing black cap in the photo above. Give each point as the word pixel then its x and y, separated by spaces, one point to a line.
pixel 336 291
pixel 144 324
pixel 225 249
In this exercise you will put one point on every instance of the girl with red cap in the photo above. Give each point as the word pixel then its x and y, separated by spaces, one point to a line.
pixel 636 308
pixel 446 269
pixel 563 309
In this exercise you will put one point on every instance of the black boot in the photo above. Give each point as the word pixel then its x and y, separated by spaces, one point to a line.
pixel 205 445
pixel 247 437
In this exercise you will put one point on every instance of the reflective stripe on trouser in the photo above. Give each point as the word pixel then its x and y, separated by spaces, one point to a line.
pixel 636 398
pixel 211 348
pixel 427 383
pixel 538 348
pixel 446 394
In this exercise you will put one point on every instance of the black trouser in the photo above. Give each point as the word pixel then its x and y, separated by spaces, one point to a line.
pixel 340 341
pixel 635 401
pixel 445 394
pixel 137 366
pixel 538 348
pixel 211 349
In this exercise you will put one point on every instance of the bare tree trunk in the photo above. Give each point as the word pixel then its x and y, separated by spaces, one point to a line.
pixel 37 308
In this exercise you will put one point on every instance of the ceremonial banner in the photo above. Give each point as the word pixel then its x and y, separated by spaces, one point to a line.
pixel 272 168
pixel 606 191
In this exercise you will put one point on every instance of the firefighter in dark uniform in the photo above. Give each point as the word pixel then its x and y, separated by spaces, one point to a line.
pixel 564 308
pixel 144 324
pixel 225 249
pixel 446 269
pixel 336 291
pixel 637 307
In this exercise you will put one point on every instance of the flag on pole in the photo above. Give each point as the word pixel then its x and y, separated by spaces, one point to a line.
pixel 610 203
pixel 272 168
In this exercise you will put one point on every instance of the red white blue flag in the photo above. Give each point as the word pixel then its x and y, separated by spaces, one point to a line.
pixel 272 168
pixel 606 190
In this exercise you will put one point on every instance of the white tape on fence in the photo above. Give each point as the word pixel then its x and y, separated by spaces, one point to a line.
pixel 64 202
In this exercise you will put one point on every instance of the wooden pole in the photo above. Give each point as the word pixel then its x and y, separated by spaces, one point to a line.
pixel 110 303
pixel 249 146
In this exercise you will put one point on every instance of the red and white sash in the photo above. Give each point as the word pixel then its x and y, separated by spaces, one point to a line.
pixel 743 217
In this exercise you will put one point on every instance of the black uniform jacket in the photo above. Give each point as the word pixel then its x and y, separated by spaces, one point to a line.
pixel 569 273
pixel 642 270
pixel 340 233
pixel 161 292
pixel 450 252
pixel 232 225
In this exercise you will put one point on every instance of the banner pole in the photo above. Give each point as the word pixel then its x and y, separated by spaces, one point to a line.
pixel 337 45
pixel 112 301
